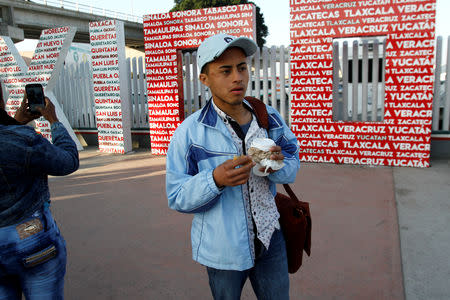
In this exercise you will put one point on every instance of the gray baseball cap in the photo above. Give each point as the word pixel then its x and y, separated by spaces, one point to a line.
pixel 211 48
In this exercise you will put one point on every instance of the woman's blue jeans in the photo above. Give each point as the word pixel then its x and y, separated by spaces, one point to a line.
pixel 269 277
pixel 45 280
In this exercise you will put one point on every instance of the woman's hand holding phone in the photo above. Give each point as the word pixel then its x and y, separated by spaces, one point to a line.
pixel 48 111
pixel 23 114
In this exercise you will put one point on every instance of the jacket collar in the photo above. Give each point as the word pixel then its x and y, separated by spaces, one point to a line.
pixel 209 116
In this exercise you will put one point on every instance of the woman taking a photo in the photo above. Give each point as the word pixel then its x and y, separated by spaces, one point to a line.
pixel 32 250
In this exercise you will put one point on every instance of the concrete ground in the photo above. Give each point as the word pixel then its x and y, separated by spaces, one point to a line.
pixel 125 243
pixel 423 203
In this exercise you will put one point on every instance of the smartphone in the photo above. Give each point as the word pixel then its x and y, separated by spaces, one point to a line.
pixel 35 95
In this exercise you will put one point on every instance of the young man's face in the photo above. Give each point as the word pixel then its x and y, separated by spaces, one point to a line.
pixel 227 78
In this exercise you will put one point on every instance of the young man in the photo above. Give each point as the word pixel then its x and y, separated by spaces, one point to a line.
pixel 235 231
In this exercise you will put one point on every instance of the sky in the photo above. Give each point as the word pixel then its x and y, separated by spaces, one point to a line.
pixel 275 12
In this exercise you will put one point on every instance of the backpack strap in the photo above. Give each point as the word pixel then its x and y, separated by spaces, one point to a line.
pixel 260 111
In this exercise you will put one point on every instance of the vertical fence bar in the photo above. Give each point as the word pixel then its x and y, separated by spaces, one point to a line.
pixel 83 95
pixel 335 88
pixel 134 99
pixel 383 76
pixel 83 83
pixel 437 84
pixel 92 110
pixel 375 65
pixel 345 81
pixel 195 82
pixel 365 80
pixel 257 79
pixel 142 100
pixel 282 84
pixel 181 84
pixel 72 96
pixel 187 85
pixel 273 76
pixel 88 100
pixel 355 81
pixel 81 100
pixel 446 116
pixel 265 76
pixel 130 102
pixel 250 63
pixel 79 95
pixel 201 86
pixel 203 94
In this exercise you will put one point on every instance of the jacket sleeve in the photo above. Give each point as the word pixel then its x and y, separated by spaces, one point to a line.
pixel 59 158
pixel 288 142
pixel 188 190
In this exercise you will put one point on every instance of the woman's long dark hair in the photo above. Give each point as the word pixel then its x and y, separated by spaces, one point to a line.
pixel 5 119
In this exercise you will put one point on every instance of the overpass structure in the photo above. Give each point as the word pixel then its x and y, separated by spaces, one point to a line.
pixel 20 19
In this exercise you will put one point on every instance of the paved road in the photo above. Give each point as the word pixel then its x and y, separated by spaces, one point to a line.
pixel 124 243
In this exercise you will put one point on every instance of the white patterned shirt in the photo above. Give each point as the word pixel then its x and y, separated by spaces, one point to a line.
pixel 259 200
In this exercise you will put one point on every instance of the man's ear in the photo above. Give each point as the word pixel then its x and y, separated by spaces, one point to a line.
pixel 204 79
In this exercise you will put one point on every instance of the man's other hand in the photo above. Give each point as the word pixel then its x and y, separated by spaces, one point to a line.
pixel 233 172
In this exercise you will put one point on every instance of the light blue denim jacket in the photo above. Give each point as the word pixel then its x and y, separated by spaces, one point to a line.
pixel 219 232
pixel 26 158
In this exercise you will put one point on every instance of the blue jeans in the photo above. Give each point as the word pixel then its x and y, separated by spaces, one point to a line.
pixel 269 277
pixel 42 278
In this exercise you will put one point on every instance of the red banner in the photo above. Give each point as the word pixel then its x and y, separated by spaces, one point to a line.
pixel 166 33
pixel 403 138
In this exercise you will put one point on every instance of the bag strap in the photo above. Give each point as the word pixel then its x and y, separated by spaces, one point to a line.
pixel 290 192
pixel 260 111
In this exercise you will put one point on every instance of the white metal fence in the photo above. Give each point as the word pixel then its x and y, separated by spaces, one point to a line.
pixel 269 81
pixel 138 93
pixel 75 93
pixel 358 79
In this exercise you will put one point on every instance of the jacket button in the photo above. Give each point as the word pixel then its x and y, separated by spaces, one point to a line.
pixel 251 191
